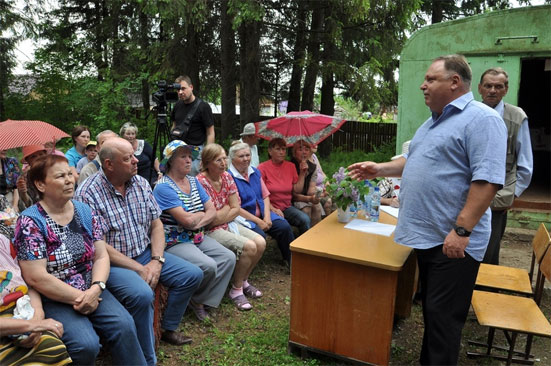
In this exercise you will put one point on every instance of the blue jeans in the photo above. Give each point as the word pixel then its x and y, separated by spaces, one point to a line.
pixel 282 232
pixel 181 279
pixel 297 218
pixel 111 321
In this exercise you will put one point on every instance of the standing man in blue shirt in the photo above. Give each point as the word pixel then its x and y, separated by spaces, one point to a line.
pixel 453 169
pixel 494 84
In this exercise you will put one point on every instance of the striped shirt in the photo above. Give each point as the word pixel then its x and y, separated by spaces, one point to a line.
pixel 129 217
pixel 169 195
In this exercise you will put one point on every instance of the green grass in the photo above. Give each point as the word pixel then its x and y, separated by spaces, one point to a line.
pixel 339 158
pixel 261 339
pixel 244 338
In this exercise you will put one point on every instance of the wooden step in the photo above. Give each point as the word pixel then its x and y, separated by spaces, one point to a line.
pixel 519 204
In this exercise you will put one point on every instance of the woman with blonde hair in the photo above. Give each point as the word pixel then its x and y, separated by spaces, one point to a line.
pixel 148 164
pixel 247 245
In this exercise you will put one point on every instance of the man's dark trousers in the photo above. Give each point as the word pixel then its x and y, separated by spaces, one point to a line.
pixel 446 291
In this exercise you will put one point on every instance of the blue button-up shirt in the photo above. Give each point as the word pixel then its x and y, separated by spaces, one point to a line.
pixel 466 143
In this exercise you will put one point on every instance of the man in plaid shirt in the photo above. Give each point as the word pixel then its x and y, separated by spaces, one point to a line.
pixel 136 245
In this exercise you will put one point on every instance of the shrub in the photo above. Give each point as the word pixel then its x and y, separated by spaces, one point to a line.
pixel 339 158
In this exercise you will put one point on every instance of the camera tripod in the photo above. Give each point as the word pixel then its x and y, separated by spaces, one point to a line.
pixel 162 132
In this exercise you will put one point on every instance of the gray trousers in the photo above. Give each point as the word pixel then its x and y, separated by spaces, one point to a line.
pixel 499 223
pixel 217 264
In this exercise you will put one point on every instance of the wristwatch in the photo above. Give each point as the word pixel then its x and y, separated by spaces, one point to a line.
pixel 158 258
pixel 101 284
pixel 461 231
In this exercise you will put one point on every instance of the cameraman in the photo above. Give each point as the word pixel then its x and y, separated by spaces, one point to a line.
pixel 192 121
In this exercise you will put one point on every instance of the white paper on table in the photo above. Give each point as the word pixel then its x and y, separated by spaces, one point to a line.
pixel 371 227
pixel 392 211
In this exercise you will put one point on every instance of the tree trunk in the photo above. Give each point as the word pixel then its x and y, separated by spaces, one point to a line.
pixel 327 105
pixel 437 12
pixel 192 57
pixel 298 60
pixel 228 74
pixel 117 63
pixel 100 39
pixel 312 67
pixel 144 44
pixel 3 77
pixel 249 65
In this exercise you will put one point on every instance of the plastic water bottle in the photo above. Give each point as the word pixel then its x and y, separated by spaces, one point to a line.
pixel 353 212
pixel 367 199
pixel 375 203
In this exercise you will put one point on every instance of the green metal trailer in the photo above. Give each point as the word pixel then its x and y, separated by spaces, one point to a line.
pixel 518 40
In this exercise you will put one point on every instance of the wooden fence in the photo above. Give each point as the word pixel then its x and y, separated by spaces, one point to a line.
pixel 352 135
pixel 363 136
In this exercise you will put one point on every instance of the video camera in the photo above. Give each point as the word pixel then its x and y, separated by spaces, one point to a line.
pixel 167 93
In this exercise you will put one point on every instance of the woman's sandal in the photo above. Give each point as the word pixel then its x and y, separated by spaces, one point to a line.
pixel 252 292
pixel 241 302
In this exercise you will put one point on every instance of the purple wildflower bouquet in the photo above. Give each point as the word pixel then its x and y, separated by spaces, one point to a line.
pixel 345 191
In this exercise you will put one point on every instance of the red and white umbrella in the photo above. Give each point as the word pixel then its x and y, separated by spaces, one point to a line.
pixel 294 126
pixel 15 133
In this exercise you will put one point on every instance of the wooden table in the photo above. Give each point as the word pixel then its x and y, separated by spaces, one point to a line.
pixel 346 288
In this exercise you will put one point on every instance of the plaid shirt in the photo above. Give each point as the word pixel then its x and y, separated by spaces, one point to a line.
pixel 129 217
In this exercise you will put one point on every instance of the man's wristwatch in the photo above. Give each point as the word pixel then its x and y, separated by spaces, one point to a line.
pixel 159 258
pixel 101 284
pixel 461 231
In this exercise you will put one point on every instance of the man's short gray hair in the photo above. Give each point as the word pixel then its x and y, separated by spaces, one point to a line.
pixel 105 132
pixel 237 147
pixel 495 71
pixel 106 152
pixel 458 64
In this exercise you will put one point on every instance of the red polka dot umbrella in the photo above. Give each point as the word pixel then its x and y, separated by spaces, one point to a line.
pixel 22 133
pixel 294 126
